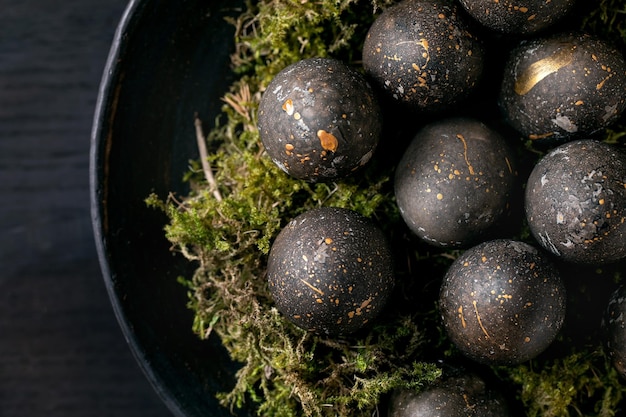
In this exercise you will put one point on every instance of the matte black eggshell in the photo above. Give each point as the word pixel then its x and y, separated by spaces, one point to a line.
pixel 614 325
pixel 422 55
pixel 456 396
pixel 330 271
pixel 502 302
pixel 519 16
pixel 576 202
pixel 454 182
pixel 563 87
pixel 319 120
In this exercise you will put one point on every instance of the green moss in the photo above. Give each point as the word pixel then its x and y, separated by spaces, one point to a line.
pixel 286 371
pixel 607 19
pixel 578 384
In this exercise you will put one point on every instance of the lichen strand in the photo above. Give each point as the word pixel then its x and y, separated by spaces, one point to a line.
pixel 286 371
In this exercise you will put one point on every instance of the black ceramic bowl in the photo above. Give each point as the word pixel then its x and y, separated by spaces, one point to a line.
pixel 169 60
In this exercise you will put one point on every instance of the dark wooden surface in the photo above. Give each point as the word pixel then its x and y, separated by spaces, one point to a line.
pixel 61 350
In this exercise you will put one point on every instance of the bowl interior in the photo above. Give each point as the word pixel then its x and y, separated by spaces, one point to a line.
pixel 169 60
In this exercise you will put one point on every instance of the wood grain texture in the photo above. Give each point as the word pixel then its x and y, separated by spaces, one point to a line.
pixel 61 351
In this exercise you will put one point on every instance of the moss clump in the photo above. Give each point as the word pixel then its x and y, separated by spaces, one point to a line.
pixel 582 383
pixel 227 228
pixel 286 371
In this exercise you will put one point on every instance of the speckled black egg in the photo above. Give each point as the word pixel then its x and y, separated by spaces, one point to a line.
pixel 576 202
pixel 455 182
pixel 422 55
pixel 319 120
pixel 564 87
pixel 502 302
pixel 330 271
pixel 518 17
pixel 614 325
pixel 455 396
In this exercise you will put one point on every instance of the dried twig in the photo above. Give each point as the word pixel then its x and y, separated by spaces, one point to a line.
pixel 204 159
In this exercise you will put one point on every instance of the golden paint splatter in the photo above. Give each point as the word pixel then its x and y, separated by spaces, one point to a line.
pixel 469 166
pixel 539 70
pixel 328 141
pixel 288 107
pixel 601 83
pixel 480 322
pixel 311 286
pixel 462 317
pixel 541 136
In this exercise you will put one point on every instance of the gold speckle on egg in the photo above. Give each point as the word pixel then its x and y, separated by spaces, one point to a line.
pixel 288 107
pixel 327 140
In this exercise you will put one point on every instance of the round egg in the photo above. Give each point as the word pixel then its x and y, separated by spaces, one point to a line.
pixel 455 182
pixel 576 202
pixel 502 302
pixel 319 120
pixel 459 395
pixel 522 17
pixel 422 56
pixel 330 271
pixel 563 87
pixel 614 325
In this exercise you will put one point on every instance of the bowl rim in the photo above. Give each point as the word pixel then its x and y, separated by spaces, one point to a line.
pixel 110 75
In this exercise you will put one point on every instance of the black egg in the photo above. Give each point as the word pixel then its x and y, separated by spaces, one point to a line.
pixel 614 325
pixel 564 87
pixel 454 182
pixel 330 271
pixel 520 16
pixel 422 56
pixel 502 302
pixel 456 396
pixel 319 120
pixel 576 202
